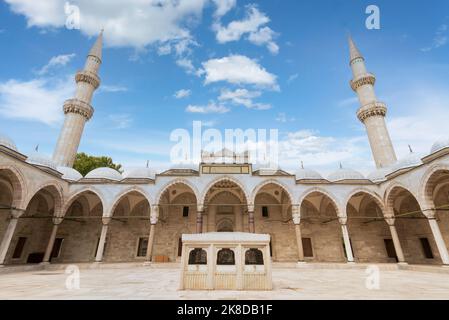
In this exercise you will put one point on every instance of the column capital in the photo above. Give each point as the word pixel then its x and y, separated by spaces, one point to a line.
pixel 296 209
pixel 296 218
pixel 154 215
pixel 343 220
pixel 106 220
pixel 200 207
pixel 251 207
pixel 430 213
pixel 16 213
pixel 57 221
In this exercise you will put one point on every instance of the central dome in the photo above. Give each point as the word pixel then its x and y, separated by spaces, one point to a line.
pixel 307 174
pixel 70 174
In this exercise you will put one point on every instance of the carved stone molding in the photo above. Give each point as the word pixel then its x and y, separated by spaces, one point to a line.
pixel 363 80
pixel 89 77
pixel 79 107
pixel 371 110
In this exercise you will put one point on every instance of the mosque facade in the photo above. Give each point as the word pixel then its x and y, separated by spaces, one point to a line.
pixel 50 213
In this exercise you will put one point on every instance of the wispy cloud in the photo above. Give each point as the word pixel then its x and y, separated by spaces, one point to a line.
pixel 283 118
pixel 57 61
pixel 243 97
pixel 121 121
pixel 113 88
pixel 440 38
pixel 183 93
pixel 212 107
pixel 292 78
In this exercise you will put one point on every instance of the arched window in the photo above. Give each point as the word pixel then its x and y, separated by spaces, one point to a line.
pixel 225 257
pixel 254 257
pixel 198 257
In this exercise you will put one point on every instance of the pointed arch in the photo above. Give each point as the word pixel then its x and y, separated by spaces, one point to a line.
pixel 125 193
pixel 220 179
pixel 18 183
pixel 366 192
pixel 175 182
pixel 55 191
pixel 428 183
pixel 260 186
pixel 327 194
pixel 79 193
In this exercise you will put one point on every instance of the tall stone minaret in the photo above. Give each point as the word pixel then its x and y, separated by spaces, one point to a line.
pixel 372 112
pixel 78 110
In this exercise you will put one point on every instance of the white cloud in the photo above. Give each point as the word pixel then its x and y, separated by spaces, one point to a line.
pixel 264 36
pixel 243 97
pixel 253 25
pixel 237 69
pixel 440 39
pixel 212 107
pixel 183 93
pixel 187 65
pixel 57 61
pixel 113 88
pixel 283 118
pixel 120 121
pixel 138 24
pixel 348 102
pixel 223 7
pixel 292 78
pixel 36 100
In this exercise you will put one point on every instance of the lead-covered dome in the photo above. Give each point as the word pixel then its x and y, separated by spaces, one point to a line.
pixel 345 174
pixel 7 142
pixel 413 159
pixel 104 173
pixel 439 145
pixel 70 174
pixel 42 160
pixel 379 174
pixel 307 174
pixel 139 173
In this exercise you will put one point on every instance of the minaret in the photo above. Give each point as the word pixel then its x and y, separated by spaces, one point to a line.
pixel 79 110
pixel 372 112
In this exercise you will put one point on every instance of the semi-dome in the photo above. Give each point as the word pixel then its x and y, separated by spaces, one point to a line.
pixel 139 173
pixel 7 142
pixel 413 159
pixel 345 174
pixel 70 174
pixel 439 145
pixel 104 173
pixel 41 159
pixel 307 174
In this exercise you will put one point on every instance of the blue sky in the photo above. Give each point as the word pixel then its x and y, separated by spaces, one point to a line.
pixel 297 50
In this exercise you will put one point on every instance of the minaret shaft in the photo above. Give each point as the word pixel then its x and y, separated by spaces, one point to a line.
pixel 372 112
pixel 79 110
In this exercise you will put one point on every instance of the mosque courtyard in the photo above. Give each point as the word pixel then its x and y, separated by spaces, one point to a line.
pixel 160 282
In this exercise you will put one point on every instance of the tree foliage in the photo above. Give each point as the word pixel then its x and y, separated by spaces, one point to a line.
pixel 85 163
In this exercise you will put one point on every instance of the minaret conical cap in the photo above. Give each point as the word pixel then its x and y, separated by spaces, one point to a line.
pixel 354 52
pixel 97 48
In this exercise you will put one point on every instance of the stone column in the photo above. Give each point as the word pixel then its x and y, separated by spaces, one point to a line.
pixel 396 242
pixel 441 245
pixel 252 227
pixel 154 218
pixel 104 233
pixel 199 218
pixel 297 221
pixel 237 218
pixel 51 241
pixel 344 229
pixel 240 264
pixel 212 212
pixel 6 241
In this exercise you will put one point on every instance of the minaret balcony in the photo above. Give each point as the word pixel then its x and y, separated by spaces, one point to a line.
pixel 89 77
pixel 372 110
pixel 364 79
pixel 79 107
